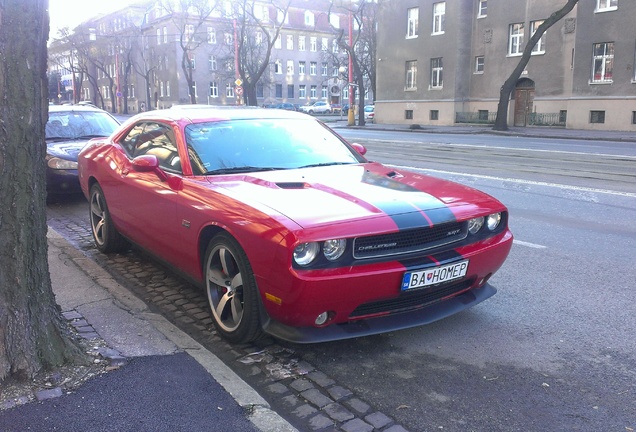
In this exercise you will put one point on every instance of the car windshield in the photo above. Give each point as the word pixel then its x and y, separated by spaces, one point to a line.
pixel 264 144
pixel 79 124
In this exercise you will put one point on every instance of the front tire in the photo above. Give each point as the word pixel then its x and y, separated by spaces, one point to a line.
pixel 231 290
pixel 106 237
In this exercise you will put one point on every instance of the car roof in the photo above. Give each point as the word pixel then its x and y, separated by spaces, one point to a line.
pixel 67 108
pixel 199 113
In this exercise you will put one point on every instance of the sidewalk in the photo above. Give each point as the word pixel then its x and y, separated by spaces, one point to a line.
pixel 167 381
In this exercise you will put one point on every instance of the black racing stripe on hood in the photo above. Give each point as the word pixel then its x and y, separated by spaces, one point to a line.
pixel 421 210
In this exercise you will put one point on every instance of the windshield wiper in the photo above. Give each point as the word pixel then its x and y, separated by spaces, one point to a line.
pixel 242 169
pixel 325 164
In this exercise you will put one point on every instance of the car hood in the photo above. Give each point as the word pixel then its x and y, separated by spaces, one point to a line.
pixel 67 149
pixel 329 195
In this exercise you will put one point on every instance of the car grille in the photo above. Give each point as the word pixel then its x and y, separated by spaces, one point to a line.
pixel 409 241
pixel 412 300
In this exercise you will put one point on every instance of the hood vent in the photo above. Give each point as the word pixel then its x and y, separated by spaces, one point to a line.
pixel 292 185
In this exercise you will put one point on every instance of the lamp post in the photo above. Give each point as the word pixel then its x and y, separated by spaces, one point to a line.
pixel 341 73
pixel 350 117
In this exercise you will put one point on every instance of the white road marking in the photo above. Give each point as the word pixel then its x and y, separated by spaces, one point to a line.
pixel 528 182
pixel 530 245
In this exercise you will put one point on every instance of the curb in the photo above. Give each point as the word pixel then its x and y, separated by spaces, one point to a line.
pixel 258 410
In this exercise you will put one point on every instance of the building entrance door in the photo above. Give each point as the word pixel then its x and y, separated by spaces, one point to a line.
pixel 524 102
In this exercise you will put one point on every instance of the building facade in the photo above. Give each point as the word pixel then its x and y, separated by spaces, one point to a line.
pixel 450 59
pixel 141 54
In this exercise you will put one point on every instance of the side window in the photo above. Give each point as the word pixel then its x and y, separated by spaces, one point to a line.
pixel 154 139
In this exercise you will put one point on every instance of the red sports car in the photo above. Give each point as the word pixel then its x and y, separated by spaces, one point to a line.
pixel 289 229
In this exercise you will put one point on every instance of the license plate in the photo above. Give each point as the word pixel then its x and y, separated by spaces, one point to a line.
pixel 434 276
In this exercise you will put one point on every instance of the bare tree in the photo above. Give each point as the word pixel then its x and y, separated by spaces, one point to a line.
pixel 33 334
pixel 501 122
pixel 256 34
pixel 358 39
pixel 190 17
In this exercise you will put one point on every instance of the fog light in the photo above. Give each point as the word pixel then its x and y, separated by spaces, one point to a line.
pixel 322 318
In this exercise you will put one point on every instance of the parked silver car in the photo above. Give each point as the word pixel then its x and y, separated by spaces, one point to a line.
pixel 319 107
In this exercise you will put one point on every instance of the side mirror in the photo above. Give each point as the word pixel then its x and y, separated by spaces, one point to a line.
pixel 149 163
pixel 359 148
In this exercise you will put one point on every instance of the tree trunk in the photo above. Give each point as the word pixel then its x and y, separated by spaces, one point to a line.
pixel 501 122
pixel 33 334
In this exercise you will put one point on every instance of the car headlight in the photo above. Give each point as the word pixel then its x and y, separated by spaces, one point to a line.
pixel 62 164
pixel 493 220
pixel 305 253
pixel 333 249
pixel 475 224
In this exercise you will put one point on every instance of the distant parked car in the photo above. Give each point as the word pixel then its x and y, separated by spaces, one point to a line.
pixel 335 108
pixel 68 129
pixel 369 113
pixel 320 107
pixel 286 106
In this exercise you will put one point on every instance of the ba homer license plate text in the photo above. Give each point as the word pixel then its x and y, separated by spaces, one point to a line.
pixel 433 276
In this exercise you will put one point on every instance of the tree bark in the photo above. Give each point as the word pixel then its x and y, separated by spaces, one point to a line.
pixel 33 334
pixel 501 122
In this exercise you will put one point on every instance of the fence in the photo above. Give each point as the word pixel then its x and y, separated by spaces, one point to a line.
pixel 534 119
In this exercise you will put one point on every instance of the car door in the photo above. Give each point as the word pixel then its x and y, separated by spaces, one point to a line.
pixel 146 201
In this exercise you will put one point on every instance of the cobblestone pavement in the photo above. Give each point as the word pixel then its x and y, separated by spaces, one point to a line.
pixel 306 397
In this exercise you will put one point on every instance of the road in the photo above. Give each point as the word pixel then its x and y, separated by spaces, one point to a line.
pixel 554 349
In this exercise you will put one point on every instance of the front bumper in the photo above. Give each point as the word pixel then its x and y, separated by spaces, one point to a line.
pixel 381 324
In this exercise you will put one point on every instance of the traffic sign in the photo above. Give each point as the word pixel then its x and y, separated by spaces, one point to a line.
pixel 238 82
pixel 238 90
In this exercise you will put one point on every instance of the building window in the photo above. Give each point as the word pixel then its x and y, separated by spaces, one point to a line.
pixel 334 71
pixel 633 117
pixel 439 13
pixel 290 42
pixel 482 6
pixel 563 116
pixel 437 69
pixel 278 67
pixel 168 89
pixel 258 37
pixel 229 90
pixel 290 67
pixel 313 44
pixel 411 75
pixel 334 46
pixel 309 18
pixel 408 114
pixel 301 43
pixel 302 91
pixel 214 89
pixel 260 90
pixel 334 20
pixel 434 115
pixel 228 38
pixel 193 63
pixel 603 62
pixel 482 115
pixel 515 40
pixel 324 46
pixel 606 5
pixel 279 90
pixel 479 64
pixel 290 91
pixel 188 32
pixel 158 36
pixel 193 89
pixel 211 35
pixel 539 48
pixel 313 92
pixel 312 68
pixel 323 92
pixel 278 42
pixel 161 92
pixel 301 68
pixel 412 17
pixel 597 116
pixel 324 69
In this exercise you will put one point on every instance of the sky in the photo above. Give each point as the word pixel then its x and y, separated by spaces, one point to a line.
pixel 73 12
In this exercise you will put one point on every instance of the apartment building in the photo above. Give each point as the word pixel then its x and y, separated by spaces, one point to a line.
pixel 450 58
pixel 141 54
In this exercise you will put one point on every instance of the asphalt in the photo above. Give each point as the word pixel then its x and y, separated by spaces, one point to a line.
pixel 163 380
